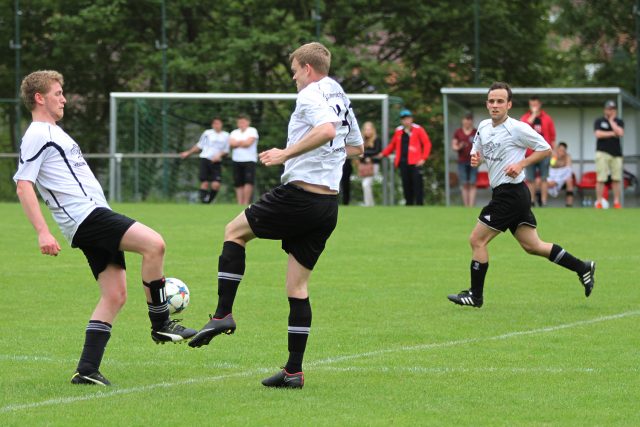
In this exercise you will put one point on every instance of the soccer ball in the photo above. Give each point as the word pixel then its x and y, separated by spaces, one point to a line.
pixel 177 294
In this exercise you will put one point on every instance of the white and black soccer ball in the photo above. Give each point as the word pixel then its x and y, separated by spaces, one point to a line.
pixel 177 294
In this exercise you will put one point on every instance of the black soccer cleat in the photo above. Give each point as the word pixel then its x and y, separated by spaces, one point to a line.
pixel 94 379
pixel 214 327
pixel 172 331
pixel 466 298
pixel 587 278
pixel 284 379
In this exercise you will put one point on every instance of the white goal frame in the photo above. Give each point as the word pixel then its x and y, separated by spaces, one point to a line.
pixel 115 157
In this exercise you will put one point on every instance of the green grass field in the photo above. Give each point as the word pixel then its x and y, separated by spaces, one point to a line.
pixel 386 347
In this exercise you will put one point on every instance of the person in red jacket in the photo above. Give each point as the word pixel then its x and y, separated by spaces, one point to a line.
pixel 539 120
pixel 412 147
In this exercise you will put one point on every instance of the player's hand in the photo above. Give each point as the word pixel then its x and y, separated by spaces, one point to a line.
pixel 216 159
pixel 420 163
pixel 184 154
pixel 475 160
pixel 272 157
pixel 48 244
pixel 513 170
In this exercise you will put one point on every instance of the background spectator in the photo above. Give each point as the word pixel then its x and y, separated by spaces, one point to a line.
pixel 369 165
pixel 608 130
pixel 213 146
pixel 561 173
pixel 538 173
pixel 462 142
pixel 244 142
pixel 412 147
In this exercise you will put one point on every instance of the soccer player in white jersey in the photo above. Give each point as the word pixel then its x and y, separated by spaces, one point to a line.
pixel 51 159
pixel 213 146
pixel 501 142
pixel 302 212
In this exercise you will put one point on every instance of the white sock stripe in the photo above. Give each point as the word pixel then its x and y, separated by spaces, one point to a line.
pixel 158 308
pixel 299 330
pixel 230 276
pixel 559 256
pixel 98 327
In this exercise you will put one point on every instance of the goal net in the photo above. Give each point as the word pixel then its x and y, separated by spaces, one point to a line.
pixel 149 130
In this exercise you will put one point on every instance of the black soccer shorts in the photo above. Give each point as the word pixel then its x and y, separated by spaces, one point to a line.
pixel 99 238
pixel 209 171
pixel 302 220
pixel 510 207
pixel 244 173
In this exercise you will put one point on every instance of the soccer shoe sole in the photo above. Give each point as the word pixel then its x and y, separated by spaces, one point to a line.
pixel 208 332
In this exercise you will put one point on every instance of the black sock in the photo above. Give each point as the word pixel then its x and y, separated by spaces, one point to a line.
pixel 158 307
pixel 212 195
pixel 565 259
pixel 230 271
pixel 96 337
pixel 204 195
pixel 299 327
pixel 478 273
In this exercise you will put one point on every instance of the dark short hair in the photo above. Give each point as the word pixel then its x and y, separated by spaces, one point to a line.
pixel 243 116
pixel 534 98
pixel 562 144
pixel 468 115
pixel 501 85
pixel 216 118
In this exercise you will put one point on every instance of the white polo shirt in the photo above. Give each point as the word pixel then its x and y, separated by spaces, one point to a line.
pixel 245 154
pixel 319 103
pixel 53 161
pixel 504 145
pixel 212 143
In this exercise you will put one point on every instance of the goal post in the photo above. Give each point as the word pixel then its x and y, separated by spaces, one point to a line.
pixel 163 118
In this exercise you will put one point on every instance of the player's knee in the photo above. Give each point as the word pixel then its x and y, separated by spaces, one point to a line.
pixel 156 246
pixel 531 248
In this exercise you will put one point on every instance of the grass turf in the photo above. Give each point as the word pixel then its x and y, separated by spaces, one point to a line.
pixel 386 346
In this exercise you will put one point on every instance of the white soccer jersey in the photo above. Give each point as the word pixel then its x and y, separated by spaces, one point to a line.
pixel 319 103
pixel 213 143
pixel 245 154
pixel 504 145
pixel 53 161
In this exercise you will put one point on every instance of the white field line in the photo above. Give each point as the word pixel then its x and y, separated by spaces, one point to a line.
pixel 446 370
pixel 117 392
pixel 473 340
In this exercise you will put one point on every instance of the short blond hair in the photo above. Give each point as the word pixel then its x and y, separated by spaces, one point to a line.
pixel 314 54
pixel 38 82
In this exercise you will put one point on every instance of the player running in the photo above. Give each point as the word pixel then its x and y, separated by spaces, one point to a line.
pixel 502 141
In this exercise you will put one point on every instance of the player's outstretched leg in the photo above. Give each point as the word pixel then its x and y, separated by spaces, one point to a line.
pixel 231 266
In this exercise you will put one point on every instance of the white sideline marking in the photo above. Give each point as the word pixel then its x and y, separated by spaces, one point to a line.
pixel 445 370
pixel 66 400
pixel 473 340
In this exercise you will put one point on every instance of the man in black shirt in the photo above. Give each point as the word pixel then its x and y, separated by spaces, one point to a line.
pixel 608 130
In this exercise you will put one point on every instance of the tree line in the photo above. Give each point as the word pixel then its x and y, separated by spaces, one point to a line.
pixel 407 49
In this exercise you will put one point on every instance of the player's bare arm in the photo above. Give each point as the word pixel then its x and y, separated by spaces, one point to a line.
pixel 29 201
pixel 514 169
pixel 316 137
